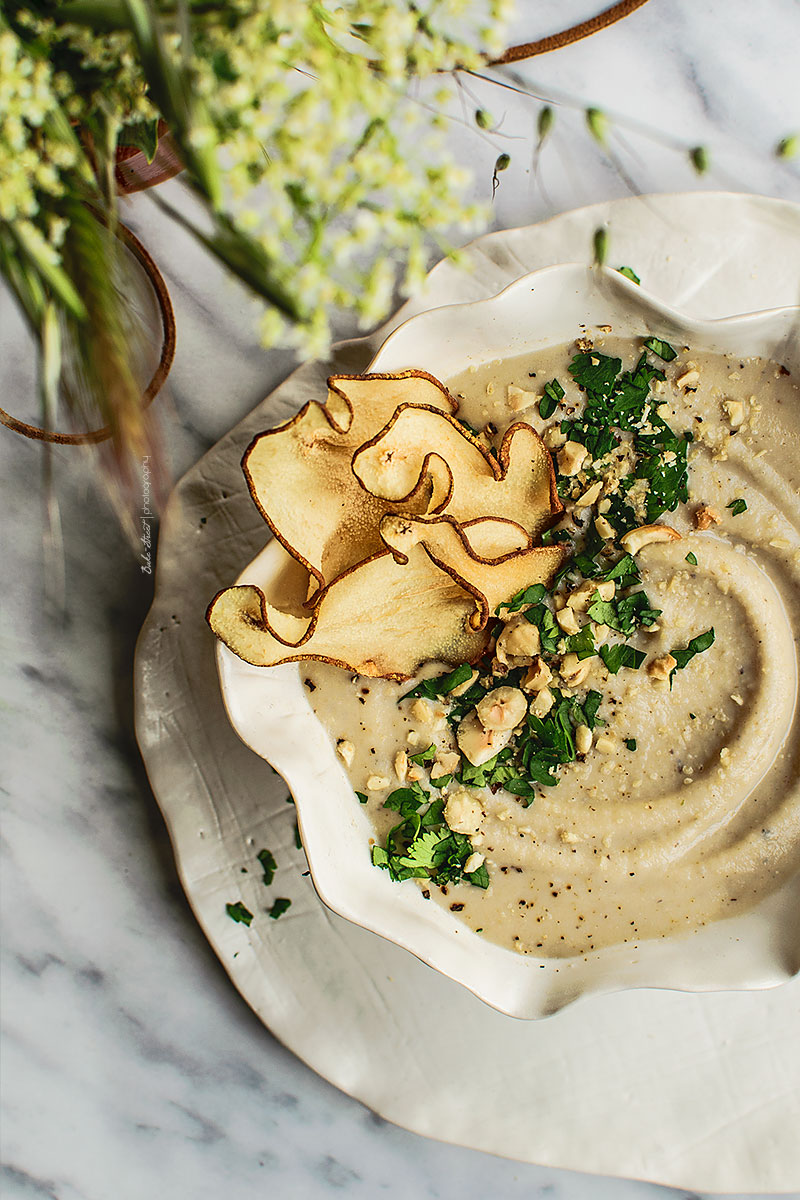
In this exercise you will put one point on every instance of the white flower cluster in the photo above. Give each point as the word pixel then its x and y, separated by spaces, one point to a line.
pixel 323 122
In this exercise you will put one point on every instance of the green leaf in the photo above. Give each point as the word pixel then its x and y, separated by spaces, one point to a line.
pixel 544 123
pixel 590 706
pixel 268 864
pixel 542 617
pixel 553 395
pixel 479 878
pixel 598 125
pixel 788 147
pixel 596 372
pixel 698 645
pixel 625 572
pixel 238 912
pixel 700 159
pixel 529 595
pixel 737 507
pixel 621 655
pixel 279 907
pixel 691 559
pixel 362 798
pixel 424 756
pixel 629 273
pixel 630 743
pixel 582 643
pixel 662 349
pixel 440 685
pixel 143 135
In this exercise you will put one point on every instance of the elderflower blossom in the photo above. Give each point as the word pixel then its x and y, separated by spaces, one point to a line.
pixel 330 161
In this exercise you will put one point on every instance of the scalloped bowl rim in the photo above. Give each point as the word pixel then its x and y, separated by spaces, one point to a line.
pixel 271 713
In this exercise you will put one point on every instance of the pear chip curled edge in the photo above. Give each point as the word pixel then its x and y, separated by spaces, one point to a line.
pixel 410 532
pixel 428 595
pixel 309 459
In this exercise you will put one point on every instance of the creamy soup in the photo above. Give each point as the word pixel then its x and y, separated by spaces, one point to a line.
pixel 651 784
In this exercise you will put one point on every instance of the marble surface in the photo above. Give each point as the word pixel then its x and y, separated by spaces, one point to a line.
pixel 130 1067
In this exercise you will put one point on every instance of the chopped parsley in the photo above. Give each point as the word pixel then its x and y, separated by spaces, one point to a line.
pixel 661 348
pixel 362 798
pixel 529 595
pixel 645 464
pixel 279 907
pixel 737 507
pixel 629 273
pixel 696 646
pixel 553 395
pixel 621 655
pixel 624 614
pixel 421 845
pixel 238 912
pixel 268 865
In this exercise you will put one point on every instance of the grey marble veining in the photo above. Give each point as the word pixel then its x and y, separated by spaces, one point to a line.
pixel 130 1067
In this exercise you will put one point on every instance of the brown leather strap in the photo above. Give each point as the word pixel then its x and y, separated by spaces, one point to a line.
pixel 567 36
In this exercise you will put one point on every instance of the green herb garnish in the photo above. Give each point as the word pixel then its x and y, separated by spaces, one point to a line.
pixel 268 865
pixel 440 685
pixel 422 846
pixel 553 395
pixel 661 348
pixel 238 912
pixel 630 743
pixel 279 907
pixel 696 646
pixel 737 507
pixel 424 756
pixel 691 559
pixel 362 798
pixel 621 655
pixel 529 595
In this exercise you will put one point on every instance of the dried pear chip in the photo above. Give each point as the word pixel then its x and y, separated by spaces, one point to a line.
pixel 519 485
pixel 300 474
pixel 492 576
pixel 398 609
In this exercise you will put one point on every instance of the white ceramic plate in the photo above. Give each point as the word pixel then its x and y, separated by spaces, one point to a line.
pixel 694 1090
pixel 271 713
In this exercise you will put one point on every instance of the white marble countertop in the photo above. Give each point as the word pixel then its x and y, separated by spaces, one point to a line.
pixel 130 1067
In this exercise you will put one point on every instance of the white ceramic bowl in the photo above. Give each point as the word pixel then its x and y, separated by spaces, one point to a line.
pixel 270 711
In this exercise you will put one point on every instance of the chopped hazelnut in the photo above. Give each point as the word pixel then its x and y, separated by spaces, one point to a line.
pixel 705 517
pixel 660 668
pixel 571 458
pixel 537 676
pixel 592 493
pixel 567 621
pixel 573 670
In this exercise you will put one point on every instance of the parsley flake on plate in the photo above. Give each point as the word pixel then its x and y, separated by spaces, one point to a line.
pixel 268 865
pixel 737 506
pixel 238 912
